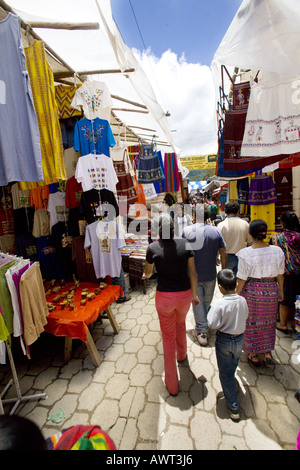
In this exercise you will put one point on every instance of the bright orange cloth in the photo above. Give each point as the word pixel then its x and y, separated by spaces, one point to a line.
pixel 74 323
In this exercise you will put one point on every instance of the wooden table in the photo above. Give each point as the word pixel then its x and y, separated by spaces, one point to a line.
pixel 73 324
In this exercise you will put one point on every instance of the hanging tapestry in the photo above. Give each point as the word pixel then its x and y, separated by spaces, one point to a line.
pixel 284 186
pixel 262 190
pixel 273 118
pixel 64 95
pixel 234 128
pixel 125 186
pixel 149 169
pixel 171 172
pixel 20 149
pixel 160 186
pixel 42 83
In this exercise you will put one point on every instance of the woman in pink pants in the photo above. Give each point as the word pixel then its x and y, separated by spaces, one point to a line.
pixel 176 289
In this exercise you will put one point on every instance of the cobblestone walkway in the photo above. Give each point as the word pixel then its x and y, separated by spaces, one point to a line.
pixel 127 397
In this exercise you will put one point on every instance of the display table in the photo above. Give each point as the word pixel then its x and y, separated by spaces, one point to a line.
pixel 73 324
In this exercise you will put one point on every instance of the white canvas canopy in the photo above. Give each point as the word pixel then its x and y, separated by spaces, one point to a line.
pixel 264 35
pixel 96 54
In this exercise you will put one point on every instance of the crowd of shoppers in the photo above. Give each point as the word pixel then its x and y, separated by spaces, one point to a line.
pixel 258 277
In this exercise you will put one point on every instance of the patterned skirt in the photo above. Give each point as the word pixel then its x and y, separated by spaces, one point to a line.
pixel 262 299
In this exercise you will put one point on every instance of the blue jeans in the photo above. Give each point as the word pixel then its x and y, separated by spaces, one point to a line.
pixel 205 292
pixel 232 262
pixel 228 352
pixel 120 281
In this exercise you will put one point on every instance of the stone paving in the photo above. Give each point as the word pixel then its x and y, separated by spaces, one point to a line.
pixel 127 397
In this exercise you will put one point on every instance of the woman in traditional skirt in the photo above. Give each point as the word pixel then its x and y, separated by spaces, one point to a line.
pixel 260 281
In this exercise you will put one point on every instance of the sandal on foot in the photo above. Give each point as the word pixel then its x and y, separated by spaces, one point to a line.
pixel 286 331
pixel 268 360
pixel 252 362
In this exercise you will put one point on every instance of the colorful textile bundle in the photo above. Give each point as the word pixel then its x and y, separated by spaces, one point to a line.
pixel 81 438
pixel 289 242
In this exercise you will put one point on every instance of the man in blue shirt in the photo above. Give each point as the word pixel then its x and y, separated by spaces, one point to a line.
pixel 207 243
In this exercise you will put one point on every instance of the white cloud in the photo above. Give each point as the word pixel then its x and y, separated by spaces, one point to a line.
pixel 187 91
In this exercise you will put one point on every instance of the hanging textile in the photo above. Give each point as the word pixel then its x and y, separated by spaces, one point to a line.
pixel 220 171
pixel 149 169
pixel 284 186
pixel 96 171
pixel 42 83
pixel 273 118
pixel 125 187
pixel 262 190
pixel 290 161
pixel 243 190
pixel 171 173
pixel 20 150
pixel 160 186
pixel 34 305
pixel 93 136
pixel 264 212
pixel 234 128
pixel 64 95
pixel 3 330
pixel 95 100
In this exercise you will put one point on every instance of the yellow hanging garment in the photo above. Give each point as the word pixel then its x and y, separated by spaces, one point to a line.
pixel 43 92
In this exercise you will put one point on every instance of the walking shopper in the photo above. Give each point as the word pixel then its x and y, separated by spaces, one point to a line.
pixel 207 243
pixel 260 281
pixel 176 289
pixel 235 232
pixel 289 241
pixel 228 316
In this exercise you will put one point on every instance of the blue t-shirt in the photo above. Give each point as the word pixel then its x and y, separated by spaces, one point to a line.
pixel 205 240
pixel 103 138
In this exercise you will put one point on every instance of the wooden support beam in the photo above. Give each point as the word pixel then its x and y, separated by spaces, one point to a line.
pixel 69 26
pixel 127 110
pixel 129 101
pixel 67 74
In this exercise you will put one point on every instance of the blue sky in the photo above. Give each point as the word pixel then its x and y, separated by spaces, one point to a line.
pixel 192 27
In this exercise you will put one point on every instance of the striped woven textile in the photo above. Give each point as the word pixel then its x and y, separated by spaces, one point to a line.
pixel 262 300
pixel 81 437
pixel 171 172
pixel 64 95
pixel 42 84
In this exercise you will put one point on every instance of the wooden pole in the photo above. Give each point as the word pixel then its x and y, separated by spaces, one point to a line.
pixel 69 26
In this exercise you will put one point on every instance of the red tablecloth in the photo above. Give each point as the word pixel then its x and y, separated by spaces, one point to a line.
pixel 74 323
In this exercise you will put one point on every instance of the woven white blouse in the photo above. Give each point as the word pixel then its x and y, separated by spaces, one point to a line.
pixel 260 262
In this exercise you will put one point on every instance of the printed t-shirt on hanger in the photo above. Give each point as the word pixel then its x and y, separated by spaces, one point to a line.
pixel 94 98
pixel 93 136
pixel 96 171
pixel 105 240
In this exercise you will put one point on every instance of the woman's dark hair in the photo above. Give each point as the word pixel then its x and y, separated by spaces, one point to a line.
pixel 227 279
pixel 290 221
pixel 18 433
pixel 165 227
pixel 169 199
pixel 258 229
